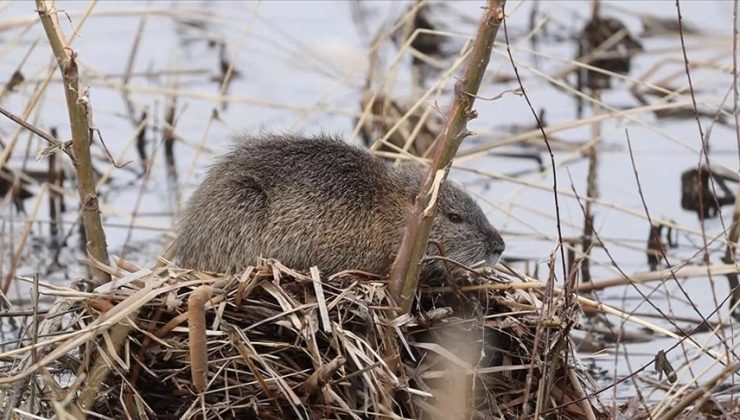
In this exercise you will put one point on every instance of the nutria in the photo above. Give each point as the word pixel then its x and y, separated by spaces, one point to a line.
pixel 319 201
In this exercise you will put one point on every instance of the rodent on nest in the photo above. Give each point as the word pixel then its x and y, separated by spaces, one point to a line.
pixel 318 201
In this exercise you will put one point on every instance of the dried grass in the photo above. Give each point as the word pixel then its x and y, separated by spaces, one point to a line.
pixel 277 343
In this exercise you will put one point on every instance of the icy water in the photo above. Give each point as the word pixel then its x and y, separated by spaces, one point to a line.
pixel 302 67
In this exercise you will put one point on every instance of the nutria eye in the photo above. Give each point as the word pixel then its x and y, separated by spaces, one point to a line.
pixel 454 217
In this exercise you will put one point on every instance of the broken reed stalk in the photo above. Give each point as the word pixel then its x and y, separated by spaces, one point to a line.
pixel 404 274
pixel 55 199
pixel 197 334
pixel 141 140
pixel 168 136
pixel 78 107
pixel 94 383
pixel 323 375
pixel 591 191
pixel 588 217
pixel 18 252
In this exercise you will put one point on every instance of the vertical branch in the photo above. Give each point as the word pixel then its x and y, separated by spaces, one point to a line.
pixel 588 217
pixel 591 192
pixel 78 107
pixel 404 275
pixel 168 139
pixel 141 140
pixel 54 199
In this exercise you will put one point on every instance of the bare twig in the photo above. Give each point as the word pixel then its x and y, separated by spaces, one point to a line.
pixel 318 379
pixel 55 144
pixel 78 107
pixel 551 278
pixel 16 256
pixel 704 152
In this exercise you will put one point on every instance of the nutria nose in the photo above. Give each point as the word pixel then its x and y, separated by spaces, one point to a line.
pixel 497 242
pixel 496 247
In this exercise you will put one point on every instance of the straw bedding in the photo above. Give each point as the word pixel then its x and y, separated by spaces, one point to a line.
pixel 282 344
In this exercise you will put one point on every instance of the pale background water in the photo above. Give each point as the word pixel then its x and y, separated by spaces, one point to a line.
pixel 303 65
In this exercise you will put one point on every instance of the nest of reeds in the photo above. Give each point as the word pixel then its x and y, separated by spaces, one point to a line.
pixel 275 343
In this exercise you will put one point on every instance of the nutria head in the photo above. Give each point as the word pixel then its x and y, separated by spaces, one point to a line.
pixel 463 229
pixel 460 230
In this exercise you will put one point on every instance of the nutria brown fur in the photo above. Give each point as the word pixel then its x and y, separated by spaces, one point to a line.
pixel 318 201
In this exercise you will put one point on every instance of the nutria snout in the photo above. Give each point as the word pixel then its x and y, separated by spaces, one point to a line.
pixel 318 201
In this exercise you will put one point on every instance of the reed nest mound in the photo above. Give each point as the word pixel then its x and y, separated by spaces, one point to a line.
pixel 274 343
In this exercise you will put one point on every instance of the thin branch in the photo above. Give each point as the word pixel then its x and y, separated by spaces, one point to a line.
pixel 404 274
pixel 78 107
pixel 55 144
pixel 551 278
pixel 704 152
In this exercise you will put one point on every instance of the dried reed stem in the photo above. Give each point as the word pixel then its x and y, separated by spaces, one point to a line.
pixel 94 383
pixel 591 189
pixel 197 334
pixel 685 271
pixel 18 252
pixel 78 107
pixel 404 275
pixel 322 375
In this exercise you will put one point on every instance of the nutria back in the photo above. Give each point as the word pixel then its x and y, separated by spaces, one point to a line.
pixel 318 201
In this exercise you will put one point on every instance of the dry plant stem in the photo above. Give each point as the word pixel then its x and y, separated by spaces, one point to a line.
pixel 585 404
pixel 16 257
pixel 47 326
pixel 404 274
pixel 588 223
pixel 55 206
pixel 323 375
pixel 588 218
pixel 686 271
pixel 197 334
pixel 704 152
pixel 700 394
pixel 79 115
pixel 548 300
pixel 28 126
pixel 94 383
pixel 129 68
pixel 40 90
pixel 125 309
